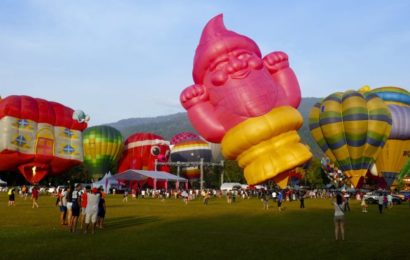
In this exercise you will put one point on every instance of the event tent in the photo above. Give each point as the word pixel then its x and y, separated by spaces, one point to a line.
pixel 107 181
pixel 141 175
pixel 2 182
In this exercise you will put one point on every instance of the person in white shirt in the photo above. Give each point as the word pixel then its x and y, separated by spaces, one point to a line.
pixel 389 201
pixel 339 216
pixel 91 210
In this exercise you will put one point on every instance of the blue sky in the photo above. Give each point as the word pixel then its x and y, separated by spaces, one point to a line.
pixel 120 59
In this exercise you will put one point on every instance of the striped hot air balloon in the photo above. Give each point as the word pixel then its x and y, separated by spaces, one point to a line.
pixel 351 128
pixel 396 151
pixel 405 170
pixel 103 146
pixel 190 148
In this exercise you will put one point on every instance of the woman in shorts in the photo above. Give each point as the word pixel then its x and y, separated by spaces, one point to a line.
pixel 12 199
pixel 339 216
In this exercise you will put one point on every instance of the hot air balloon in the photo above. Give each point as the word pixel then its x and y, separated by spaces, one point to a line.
pixel 247 102
pixel 103 146
pixel 405 171
pixel 351 128
pixel 396 151
pixel 38 137
pixel 141 150
pixel 190 148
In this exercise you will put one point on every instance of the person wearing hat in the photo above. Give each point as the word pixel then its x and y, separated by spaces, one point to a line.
pixel 93 198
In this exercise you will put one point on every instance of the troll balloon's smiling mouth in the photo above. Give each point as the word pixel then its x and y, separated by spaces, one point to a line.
pixel 240 74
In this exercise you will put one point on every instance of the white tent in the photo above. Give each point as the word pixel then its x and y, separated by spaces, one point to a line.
pixel 2 182
pixel 106 182
pixel 140 175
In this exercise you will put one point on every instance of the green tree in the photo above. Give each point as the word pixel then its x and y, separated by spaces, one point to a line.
pixel 315 176
pixel 232 172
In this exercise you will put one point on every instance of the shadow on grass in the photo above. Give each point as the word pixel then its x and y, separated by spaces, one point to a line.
pixel 124 222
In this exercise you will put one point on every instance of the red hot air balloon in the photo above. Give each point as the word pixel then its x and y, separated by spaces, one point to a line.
pixel 39 137
pixel 141 150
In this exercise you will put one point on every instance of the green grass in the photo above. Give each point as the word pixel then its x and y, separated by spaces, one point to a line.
pixel 150 228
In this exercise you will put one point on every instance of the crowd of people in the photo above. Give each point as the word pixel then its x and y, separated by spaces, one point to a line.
pixel 84 205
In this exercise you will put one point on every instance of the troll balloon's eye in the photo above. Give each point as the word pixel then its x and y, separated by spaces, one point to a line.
pixel 155 150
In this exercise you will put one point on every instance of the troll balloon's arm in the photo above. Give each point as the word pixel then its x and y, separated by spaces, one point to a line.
pixel 201 112
pixel 278 65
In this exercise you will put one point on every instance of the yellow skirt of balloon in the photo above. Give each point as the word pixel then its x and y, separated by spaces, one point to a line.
pixel 267 146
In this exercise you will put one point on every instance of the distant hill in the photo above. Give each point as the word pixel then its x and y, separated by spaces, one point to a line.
pixel 169 125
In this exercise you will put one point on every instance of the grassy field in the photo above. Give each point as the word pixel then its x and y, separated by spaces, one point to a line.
pixel 150 228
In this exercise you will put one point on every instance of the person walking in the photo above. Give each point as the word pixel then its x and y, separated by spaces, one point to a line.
pixel 125 199
pixel 34 196
pixel 339 216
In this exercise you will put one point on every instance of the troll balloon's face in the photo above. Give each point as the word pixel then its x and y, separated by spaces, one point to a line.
pixel 239 82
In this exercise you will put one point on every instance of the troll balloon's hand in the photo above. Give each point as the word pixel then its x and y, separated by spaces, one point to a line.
pixel 277 64
pixel 275 61
pixel 193 95
pixel 201 113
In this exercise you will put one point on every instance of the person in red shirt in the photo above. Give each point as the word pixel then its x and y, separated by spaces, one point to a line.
pixel 84 205
pixel 34 196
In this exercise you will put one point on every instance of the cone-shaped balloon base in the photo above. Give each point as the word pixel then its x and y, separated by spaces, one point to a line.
pixel 33 172
pixel 281 180
pixel 355 176
pixel 267 146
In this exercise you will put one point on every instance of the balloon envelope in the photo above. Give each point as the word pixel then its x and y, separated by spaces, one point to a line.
pixel 141 150
pixel 190 150
pixel 351 128
pixel 38 137
pixel 102 148
pixel 396 152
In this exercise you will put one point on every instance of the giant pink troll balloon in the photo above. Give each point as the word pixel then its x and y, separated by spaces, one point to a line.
pixel 246 101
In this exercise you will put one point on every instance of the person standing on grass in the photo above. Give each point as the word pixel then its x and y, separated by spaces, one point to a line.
pixel 302 199
pixel 84 205
pixel 12 199
pixel 389 201
pixel 69 194
pixel 380 202
pixel 279 200
pixel 34 196
pixel 265 200
pixel 62 203
pixel 339 216
pixel 364 205
pixel 125 199
pixel 75 207
pixel 101 209
pixel 93 198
